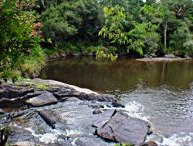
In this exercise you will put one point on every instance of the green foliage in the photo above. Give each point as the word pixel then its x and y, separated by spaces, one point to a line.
pixel 176 21
pixel 114 28
pixel 103 52
pixel 19 37
pixel 143 36
pixel 137 37
pixel 41 86
pixel 71 21
pixel 33 63
pixel 101 27
pixel 129 25
pixel 182 41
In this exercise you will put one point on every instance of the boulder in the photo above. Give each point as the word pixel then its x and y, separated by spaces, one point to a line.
pixel 21 136
pixel 65 93
pixel 48 119
pixel 102 97
pixel 14 96
pixel 103 118
pixel 169 56
pixel 2 111
pixel 117 104
pixel 124 129
pixel 97 111
pixel 13 103
pixel 149 143
pixel 46 98
pixel 90 141
pixel 13 91
pixel 24 143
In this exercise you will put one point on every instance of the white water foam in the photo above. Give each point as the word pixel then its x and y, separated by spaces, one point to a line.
pixel 47 137
pixel 72 132
pixel 133 109
pixel 178 140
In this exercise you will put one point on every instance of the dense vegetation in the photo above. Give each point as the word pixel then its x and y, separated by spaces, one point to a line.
pixel 100 27
pixel 119 26
pixel 21 54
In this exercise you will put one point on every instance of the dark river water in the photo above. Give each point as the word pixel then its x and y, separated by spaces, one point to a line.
pixel 159 92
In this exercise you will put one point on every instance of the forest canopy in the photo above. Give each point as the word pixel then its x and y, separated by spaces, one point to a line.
pixel 126 26
pixel 29 29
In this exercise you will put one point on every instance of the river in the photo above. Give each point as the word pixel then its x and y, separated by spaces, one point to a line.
pixel 159 92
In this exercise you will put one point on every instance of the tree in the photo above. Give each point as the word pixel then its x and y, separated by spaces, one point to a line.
pixel 68 22
pixel 115 23
pixel 175 16
pixel 129 33
pixel 19 37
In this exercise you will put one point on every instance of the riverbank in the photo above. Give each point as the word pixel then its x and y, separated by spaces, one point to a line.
pixel 50 113
pixel 166 57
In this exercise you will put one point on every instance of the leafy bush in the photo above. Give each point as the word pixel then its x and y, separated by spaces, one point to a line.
pixel 20 36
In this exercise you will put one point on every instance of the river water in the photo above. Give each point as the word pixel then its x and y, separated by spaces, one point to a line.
pixel 159 92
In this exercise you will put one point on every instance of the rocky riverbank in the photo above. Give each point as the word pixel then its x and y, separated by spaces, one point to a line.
pixel 50 113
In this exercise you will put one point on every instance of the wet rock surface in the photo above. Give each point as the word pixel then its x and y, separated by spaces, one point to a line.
pixel 124 129
pixel 45 98
pixel 2 111
pixel 63 115
pixel 90 141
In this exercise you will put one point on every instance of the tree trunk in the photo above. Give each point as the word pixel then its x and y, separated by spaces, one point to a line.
pixel 3 137
pixel 165 35
pixel 43 4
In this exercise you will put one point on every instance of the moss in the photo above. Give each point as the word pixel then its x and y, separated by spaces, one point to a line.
pixel 41 86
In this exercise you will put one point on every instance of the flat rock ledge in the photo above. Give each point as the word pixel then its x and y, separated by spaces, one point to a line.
pixel 162 59
pixel 50 113
pixel 38 92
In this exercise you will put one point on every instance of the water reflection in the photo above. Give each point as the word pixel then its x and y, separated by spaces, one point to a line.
pixel 122 75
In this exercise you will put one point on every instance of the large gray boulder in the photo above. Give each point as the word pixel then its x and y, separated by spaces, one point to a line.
pixel 90 141
pixel 46 98
pixel 124 129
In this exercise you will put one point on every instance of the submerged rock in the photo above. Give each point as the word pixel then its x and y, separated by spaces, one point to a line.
pixel 124 129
